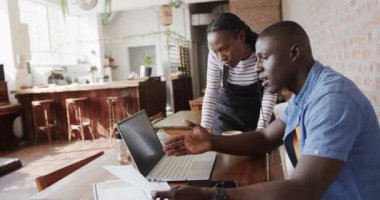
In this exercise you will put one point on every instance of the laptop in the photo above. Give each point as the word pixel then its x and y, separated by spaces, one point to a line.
pixel 151 161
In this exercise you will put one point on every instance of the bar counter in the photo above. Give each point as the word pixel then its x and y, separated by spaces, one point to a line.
pixel 148 94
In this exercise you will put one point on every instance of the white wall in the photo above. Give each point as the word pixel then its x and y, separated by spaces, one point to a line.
pixel 90 34
pixel 14 42
pixel 121 5
pixel 124 31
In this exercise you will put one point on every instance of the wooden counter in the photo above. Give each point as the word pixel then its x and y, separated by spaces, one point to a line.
pixel 148 94
pixel 80 87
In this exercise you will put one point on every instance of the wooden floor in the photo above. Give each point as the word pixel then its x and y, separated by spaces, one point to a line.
pixel 41 159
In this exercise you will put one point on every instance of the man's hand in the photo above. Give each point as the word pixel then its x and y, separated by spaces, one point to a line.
pixel 195 142
pixel 184 193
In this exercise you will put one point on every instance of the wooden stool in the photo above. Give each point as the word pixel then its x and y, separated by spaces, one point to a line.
pixel 43 112
pixel 78 116
pixel 118 110
pixel 196 104
pixel 156 118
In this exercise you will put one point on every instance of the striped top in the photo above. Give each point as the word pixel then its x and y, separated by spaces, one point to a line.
pixel 243 74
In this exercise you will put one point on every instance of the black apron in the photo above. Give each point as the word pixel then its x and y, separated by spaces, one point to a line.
pixel 238 107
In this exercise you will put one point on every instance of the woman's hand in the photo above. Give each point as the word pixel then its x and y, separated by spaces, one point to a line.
pixel 195 142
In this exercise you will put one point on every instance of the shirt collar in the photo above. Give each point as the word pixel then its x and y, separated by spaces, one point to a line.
pixel 309 83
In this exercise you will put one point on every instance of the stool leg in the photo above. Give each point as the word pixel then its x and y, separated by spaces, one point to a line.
pixel 113 118
pixel 91 132
pixel 81 130
pixel 110 116
pixel 68 120
pixel 47 124
pixel 35 124
pixel 79 116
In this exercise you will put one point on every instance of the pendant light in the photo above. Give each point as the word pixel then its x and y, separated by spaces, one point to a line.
pixel 166 17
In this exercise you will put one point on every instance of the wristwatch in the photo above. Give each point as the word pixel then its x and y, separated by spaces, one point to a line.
pixel 219 195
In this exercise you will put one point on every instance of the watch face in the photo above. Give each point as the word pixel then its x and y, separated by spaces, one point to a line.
pixel 87 4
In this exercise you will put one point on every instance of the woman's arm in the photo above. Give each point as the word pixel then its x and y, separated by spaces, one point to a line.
pixel 267 104
pixel 211 94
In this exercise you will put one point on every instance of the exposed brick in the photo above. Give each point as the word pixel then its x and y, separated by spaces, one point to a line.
pixel 258 14
pixel 345 35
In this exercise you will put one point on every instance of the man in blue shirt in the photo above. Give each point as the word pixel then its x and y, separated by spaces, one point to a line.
pixel 330 129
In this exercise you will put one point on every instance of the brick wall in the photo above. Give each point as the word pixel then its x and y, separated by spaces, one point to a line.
pixel 258 14
pixel 345 35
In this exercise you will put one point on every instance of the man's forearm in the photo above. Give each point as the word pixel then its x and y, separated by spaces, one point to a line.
pixel 252 143
pixel 287 189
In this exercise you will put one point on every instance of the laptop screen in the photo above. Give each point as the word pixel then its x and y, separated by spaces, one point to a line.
pixel 142 142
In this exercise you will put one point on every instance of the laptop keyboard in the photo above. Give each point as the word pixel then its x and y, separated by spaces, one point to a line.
pixel 172 167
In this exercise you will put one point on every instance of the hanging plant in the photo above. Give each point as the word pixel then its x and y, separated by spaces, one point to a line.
pixel 64 8
pixel 105 15
pixel 107 11
pixel 174 3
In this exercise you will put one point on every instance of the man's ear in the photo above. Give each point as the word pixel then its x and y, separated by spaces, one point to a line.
pixel 242 35
pixel 295 52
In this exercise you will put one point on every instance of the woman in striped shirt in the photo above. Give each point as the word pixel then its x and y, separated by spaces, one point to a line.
pixel 234 97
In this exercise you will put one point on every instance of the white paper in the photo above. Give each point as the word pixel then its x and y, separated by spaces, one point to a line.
pixel 159 186
pixel 119 189
pixel 131 176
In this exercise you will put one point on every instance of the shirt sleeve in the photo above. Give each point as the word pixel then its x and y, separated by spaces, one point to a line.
pixel 332 124
pixel 267 104
pixel 214 74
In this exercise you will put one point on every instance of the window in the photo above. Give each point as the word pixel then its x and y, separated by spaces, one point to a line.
pixel 53 39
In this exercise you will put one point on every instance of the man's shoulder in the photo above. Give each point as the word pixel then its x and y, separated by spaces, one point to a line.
pixel 331 82
pixel 333 89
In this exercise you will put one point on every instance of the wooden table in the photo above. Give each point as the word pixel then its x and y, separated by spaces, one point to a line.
pixel 174 125
pixel 78 185
pixel 243 169
pixel 175 121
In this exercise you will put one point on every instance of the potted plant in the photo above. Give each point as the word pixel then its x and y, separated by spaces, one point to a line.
pixel 146 69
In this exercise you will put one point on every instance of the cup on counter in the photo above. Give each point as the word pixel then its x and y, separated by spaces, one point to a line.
pixel 231 132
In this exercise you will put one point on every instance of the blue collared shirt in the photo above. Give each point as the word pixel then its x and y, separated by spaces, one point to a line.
pixel 337 121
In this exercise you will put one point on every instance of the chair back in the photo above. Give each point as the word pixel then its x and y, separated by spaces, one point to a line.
pixel 45 181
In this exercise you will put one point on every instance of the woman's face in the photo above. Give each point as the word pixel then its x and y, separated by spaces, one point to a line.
pixel 229 49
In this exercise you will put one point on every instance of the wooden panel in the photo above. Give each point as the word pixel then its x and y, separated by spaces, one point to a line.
pixel 182 92
pixel 152 95
pixel 3 92
pixel 7 116
pixel 8 113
